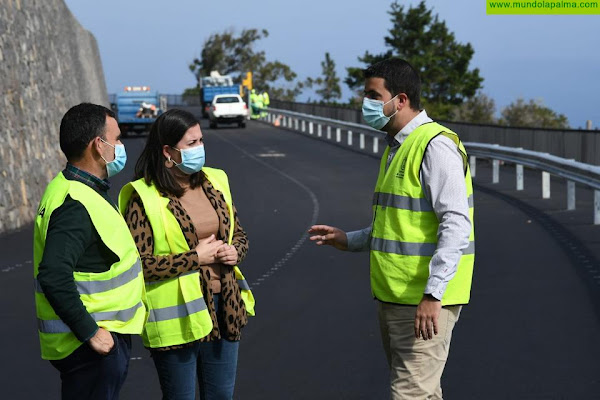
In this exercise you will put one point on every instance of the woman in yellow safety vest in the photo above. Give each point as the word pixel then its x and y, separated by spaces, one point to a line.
pixel 183 221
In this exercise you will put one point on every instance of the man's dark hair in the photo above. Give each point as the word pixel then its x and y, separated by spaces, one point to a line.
pixel 168 129
pixel 399 77
pixel 79 126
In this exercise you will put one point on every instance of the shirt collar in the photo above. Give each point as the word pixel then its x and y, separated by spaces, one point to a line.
pixel 420 119
pixel 73 173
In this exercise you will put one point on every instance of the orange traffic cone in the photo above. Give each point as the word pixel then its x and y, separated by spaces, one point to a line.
pixel 277 121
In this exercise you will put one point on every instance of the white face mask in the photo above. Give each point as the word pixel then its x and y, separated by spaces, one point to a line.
pixel 373 112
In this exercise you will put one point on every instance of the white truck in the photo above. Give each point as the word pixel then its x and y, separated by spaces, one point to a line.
pixel 228 109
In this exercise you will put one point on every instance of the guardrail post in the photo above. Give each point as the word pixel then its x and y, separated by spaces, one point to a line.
pixel 310 127
pixel 303 126
pixel 319 127
pixel 473 165
pixel 545 185
pixel 338 135
pixel 362 141
pixel 328 132
pixel 283 121
pixel 375 145
pixel 596 207
pixel 269 117
pixel 290 122
pixel 519 177
pixel 495 171
pixel 570 195
pixel 349 138
pixel 296 124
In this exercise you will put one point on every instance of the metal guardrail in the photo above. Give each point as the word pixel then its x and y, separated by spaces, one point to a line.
pixel 572 171
pixel 579 144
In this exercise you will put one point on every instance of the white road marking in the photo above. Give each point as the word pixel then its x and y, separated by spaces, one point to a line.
pixel 315 214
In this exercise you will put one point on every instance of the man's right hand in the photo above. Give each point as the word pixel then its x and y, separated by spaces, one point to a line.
pixel 325 234
pixel 207 249
pixel 102 342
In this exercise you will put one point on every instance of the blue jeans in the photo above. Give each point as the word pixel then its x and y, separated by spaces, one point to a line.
pixel 213 364
pixel 86 374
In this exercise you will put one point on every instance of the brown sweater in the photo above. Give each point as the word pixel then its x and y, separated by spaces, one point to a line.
pixel 156 268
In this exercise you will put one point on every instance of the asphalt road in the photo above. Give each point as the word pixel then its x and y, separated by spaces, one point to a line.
pixel 530 332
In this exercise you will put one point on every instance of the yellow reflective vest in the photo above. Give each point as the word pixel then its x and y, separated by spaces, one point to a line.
pixel 177 311
pixel 114 298
pixel 404 234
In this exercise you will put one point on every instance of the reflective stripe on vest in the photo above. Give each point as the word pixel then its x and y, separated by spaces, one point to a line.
pixel 243 284
pixel 406 203
pixel 92 287
pixel 411 249
pixel 178 311
pixel 57 326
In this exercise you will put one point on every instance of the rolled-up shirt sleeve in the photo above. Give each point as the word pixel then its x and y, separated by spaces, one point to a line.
pixel 443 181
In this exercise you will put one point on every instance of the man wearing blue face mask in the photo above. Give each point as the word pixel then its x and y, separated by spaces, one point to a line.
pixel 89 286
pixel 421 241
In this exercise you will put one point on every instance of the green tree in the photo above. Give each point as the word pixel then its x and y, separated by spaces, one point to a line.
pixel 229 54
pixel 278 80
pixel 421 38
pixel 329 83
pixel 479 109
pixel 232 54
pixel 532 114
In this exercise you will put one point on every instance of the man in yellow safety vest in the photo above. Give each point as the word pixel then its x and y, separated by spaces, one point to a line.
pixel 421 241
pixel 89 286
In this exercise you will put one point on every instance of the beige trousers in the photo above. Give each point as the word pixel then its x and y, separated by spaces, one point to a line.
pixel 416 365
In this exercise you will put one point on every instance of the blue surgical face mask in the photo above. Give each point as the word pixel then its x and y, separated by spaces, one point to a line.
pixel 192 159
pixel 115 166
pixel 373 112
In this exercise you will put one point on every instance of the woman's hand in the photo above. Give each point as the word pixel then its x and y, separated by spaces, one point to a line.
pixel 207 250
pixel 227 255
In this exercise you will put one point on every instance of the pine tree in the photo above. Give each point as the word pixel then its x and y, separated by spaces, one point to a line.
pixel 330 83
pixel 422 39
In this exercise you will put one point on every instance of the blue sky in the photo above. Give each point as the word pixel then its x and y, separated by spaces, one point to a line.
pixel 151 42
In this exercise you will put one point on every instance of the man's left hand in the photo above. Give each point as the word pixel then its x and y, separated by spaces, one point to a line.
pixel 426 320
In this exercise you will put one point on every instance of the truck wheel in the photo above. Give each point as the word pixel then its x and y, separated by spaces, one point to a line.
pixel 242 124
pixel 213 125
